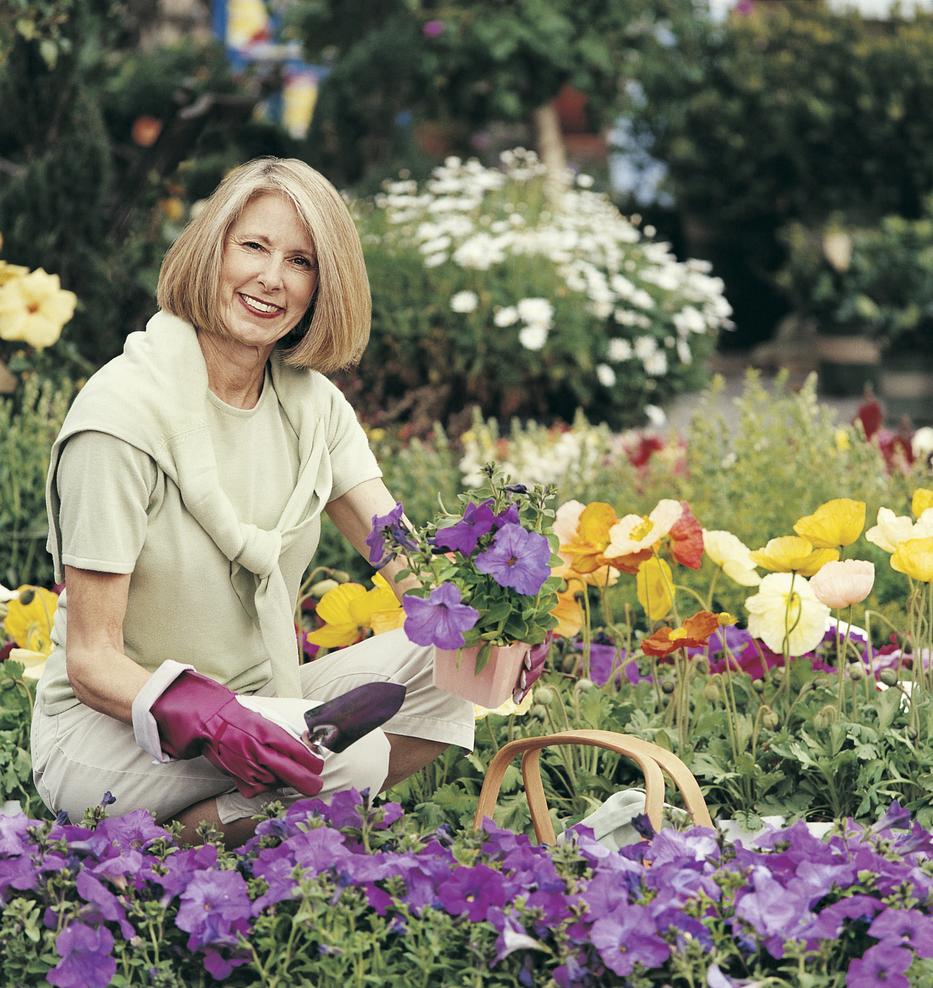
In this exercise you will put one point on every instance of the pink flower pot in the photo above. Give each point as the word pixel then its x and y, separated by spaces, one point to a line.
pixel 455 672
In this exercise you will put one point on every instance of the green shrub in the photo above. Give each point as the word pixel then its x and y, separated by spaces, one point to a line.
pixel 488 290
pixel 29 423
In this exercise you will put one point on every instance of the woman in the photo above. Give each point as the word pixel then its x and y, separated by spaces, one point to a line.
pixel 184 497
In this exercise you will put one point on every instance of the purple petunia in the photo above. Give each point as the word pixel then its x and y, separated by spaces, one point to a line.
pixel 386 535
pixel 440 620
pixel 884 964
pixel 86 960
pixel 473 891
pixel 517 558
pixel 906 926
pixel 627 937
pixel 477 521
pixel 214 908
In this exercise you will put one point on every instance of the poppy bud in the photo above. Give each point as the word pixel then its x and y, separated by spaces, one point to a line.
pixel 584 684
pixel 711 692
pixel 770 719
pixel 888 677
pixel 545 695
pixel 568 663
pixel 667 685
pixel 758 685
pixel 27 597
pixel 856 672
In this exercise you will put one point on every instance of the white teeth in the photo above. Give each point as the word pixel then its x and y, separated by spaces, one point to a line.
pixel 254 303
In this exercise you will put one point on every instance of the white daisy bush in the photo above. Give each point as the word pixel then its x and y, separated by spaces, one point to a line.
pixel 523 301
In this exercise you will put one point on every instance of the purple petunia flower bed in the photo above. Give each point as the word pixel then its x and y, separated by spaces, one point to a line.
pixel 346 894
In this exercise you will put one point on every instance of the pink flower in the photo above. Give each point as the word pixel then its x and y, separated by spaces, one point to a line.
pixel 840 584
pixel 433 29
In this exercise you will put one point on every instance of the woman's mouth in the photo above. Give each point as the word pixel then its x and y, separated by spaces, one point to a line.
pixel 257 307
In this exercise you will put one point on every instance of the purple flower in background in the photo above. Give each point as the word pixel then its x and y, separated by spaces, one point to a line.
pixel 627 937
pixel 509 516
pixel 13 836
pixel 214 908
pixel 473 891
pixel 907 926
pixel 517 558
pixel 884 964
pixel 388 528
pixel 477 520
pixel 86 960
pixel 440 620
pixel 433 29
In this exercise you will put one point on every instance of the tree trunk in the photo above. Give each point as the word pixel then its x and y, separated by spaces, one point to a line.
pixel 551 145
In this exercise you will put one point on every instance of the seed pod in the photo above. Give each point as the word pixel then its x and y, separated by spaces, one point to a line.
pixel 711 692
pixel 856 672
pixel 888 677
pixel 667 685
pixel 545 695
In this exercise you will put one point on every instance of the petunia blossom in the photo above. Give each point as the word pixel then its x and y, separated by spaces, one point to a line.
pixel 517 558
pixel 884 964
pixel 388 531
pixel 786 609
pixel 214 908
pixel 842 583
pixel 836 523
pixel 477 521
pixel 440 620
pixel 86 957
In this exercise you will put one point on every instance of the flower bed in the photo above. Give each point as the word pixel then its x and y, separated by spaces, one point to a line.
pixel 345 895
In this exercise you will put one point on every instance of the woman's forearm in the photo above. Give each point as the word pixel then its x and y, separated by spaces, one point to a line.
pixel 106 680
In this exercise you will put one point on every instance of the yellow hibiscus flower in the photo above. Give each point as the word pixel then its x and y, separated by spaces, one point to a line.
pixel 655 587
pixel 635 533
pixel 34 308
pixel 914 557
pixel 793 554
pixel 732 555
pixel 786 607
pixel 350 611
pixel 29 619
pixel 836 523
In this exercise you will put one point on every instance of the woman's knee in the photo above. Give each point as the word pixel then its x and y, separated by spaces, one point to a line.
pixel 364 765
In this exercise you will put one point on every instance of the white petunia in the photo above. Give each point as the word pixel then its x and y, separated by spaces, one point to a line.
pixel 464 302
pixel 434 260
pixel 532 337
pixel 655 415
pixel 683 351
pixel 605 375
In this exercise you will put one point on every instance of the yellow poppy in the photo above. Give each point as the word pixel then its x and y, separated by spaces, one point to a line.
pixel 914 557
pixel 791 553
pixel 655 586
pixel 786 608
pixel 836 523
pixel 350 611
pixel 568 612
pixel 30 624
pixel 732 555
pixel 921 501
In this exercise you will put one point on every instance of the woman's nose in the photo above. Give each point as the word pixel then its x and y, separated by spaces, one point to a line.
pixel 270 277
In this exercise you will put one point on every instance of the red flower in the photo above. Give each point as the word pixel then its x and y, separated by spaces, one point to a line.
pixel 687 539
pixel 691 634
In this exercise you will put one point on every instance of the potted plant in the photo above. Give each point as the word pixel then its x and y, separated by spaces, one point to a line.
pixel 484 592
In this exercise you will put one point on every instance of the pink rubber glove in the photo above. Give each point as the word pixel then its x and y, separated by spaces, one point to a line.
pixel 197 716
pixel 532 669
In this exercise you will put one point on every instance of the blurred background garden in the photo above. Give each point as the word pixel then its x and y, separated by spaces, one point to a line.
pixel 638 250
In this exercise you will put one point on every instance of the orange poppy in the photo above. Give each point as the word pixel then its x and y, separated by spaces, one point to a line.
pixel 691 634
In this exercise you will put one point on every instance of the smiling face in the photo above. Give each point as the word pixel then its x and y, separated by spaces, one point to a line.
pixel 268 274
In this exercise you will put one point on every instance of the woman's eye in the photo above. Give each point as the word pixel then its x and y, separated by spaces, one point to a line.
pixel 304 262
pixel 252 245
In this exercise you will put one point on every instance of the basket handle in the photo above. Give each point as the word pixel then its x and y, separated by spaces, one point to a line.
pixel 650 759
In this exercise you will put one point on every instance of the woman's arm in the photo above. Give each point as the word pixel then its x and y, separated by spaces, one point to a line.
pixel 101 675
pixel 353 515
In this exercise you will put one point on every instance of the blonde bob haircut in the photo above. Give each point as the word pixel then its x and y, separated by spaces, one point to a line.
pixel 334 331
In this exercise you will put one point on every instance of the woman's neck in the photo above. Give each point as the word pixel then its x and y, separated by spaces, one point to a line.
pixel 235 372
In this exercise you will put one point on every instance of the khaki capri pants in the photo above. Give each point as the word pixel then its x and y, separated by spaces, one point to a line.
pixel 80 753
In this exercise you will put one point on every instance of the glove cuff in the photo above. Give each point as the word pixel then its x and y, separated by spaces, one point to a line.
pixel 145 729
